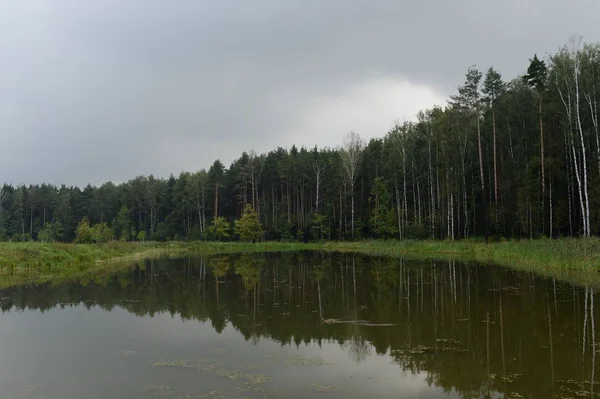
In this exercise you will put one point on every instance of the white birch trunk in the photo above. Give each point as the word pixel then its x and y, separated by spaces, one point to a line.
pixel 583 148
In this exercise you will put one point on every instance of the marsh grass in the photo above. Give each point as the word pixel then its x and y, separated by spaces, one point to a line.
pixel 576 260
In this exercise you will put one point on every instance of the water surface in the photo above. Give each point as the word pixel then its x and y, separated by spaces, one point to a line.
pixel 297 326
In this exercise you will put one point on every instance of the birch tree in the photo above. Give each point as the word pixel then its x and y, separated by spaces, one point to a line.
pixel 351 154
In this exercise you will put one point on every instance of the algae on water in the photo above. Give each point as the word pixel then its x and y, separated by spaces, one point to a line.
pixel 306 361
pixel 325 388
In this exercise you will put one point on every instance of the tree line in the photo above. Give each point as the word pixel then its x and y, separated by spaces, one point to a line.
pixel 518 158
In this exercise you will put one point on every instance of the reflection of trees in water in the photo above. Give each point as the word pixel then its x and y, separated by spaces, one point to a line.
pixel 357 347
pixel 537 328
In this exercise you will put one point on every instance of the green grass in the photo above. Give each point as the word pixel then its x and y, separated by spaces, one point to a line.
pixel 573 259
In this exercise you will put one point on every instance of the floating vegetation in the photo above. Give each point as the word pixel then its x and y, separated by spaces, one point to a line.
pixel 250 388
pixel 356 322
pixel 192 364
pixel 253 388
pixel 514 395
pixel 306 361
pixel 505 288
pixel 211 394
pixel 511 377
pixel 204 365
pixel 422 350
pixel 325 388
pixel 576 389
pixel 449 341
pixel 28 393
pixel 255 366
pixel 161 390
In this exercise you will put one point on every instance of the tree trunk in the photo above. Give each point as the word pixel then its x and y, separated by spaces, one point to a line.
pixel 551 210
pixel 22 225
pixel 199 215
pixel 216 210
pixel 414 193
pixel 495 162
pixel 352 195
pixel 583 151
pixel 398 210
pixel 289 203
pixel 465 205
pixel 542 148
pixel 431 193
pixel 452 213
pixel 480 157
pixel 341 217
pixel 591 99
pixel 581 198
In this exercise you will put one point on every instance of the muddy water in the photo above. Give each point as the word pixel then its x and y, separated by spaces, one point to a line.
pixel 297 326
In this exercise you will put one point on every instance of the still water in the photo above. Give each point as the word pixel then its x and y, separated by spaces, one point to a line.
pixel 302 325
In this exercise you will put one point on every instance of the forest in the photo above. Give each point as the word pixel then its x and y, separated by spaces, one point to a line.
pixel 503 158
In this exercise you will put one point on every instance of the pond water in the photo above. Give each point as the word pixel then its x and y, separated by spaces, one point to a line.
pixel 297 326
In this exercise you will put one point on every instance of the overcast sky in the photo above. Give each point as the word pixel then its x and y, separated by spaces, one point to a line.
pixel 92 91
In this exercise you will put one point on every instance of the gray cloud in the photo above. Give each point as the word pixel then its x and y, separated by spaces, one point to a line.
pixel 108 90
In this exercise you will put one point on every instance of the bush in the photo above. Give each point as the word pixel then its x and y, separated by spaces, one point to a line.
pixel 84 234
pixel 219 229
pixel 102 233
pixel 248 227
pixel 417 231
pixel 46 234
pixel 141 236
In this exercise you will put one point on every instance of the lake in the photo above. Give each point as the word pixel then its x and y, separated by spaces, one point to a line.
pixel 299 325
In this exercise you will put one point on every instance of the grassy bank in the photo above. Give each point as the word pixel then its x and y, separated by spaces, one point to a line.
pixel 570 258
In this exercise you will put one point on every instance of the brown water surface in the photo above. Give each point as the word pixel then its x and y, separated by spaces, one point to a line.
pixel 297 326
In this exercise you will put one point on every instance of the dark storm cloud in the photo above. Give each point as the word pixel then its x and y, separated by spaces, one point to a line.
pixel 94 91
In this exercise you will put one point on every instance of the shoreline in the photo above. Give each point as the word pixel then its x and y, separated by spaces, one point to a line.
pixel 576 260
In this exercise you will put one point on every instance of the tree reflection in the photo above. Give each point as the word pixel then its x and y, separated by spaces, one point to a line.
pixel 474 330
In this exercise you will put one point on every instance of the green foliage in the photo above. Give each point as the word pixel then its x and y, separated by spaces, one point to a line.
pixel 220 229
pixel 122 224
pixel 101 233
pixel 57 229
pixel 493 86
pixel 537 74
pixel 46 234
pixel 84 233
pixel 284 229
pixel 320 226
pixel 417 231
pixel 382 220
pixel 248 227
pixel 141 235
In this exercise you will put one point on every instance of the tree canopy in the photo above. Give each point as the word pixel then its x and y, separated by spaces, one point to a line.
pixel 495 161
